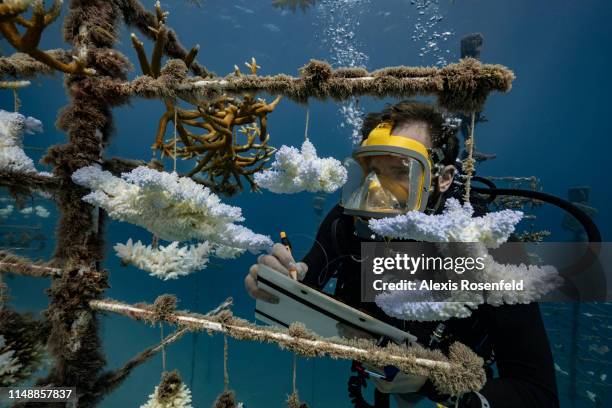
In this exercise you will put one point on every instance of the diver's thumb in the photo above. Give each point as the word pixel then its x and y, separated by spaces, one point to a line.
pixel 302 268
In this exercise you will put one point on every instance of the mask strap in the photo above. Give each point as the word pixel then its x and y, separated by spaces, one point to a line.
pixel 438 202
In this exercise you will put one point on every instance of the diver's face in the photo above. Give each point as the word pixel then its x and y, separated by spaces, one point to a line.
pixel 393 173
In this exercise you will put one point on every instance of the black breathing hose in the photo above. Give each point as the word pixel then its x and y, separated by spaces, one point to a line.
pixel 593 234
pixel 583 218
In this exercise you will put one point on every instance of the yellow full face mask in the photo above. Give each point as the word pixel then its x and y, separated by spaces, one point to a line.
pixel 387 175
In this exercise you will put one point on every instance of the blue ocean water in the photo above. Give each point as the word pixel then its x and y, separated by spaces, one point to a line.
pixel 554 124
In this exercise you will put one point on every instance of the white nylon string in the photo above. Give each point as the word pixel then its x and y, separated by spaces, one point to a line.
pixel 294 373
pixel 307 120
pixel 225 364
pixel 175 119
pixel 163 350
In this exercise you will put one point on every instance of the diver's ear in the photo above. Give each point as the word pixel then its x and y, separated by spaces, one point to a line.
pixel 445 178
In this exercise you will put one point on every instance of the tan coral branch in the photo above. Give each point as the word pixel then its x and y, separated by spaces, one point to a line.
pixel 28 41
pixel 11 9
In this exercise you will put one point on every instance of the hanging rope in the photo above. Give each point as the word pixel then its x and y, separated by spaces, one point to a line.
pixel 294 373
pixel 225 369
pixel 154 241
pixel 194 338
pixel 307 120
pixel 468 163
pixel 16 100
pixel 163 347
pixel 293 400
pixel 174 155
pixel 227 399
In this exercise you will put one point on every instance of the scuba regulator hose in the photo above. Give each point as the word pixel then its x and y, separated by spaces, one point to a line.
pixel 582 217
pixel 593 234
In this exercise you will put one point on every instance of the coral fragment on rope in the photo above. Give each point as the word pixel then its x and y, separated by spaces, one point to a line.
pixel 171 207
pixel 296 170
pixel 165 262
pixel 170 393
pixel 210 131
pixel 13 125
pixel 457 224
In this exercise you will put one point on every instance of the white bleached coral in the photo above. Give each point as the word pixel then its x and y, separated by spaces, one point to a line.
pixel 294 171
pixel 165 262
pixel 5 212
pixel 421 306
pixel 537 281
pixel 9 364
pixel 181 399
pixel 171 207
pixel 172 261
pixel 455 224
pixel 13 125
pixel 39 210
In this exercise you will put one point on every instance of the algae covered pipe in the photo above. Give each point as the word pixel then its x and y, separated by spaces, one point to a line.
pixel 463 86
pixel 461 372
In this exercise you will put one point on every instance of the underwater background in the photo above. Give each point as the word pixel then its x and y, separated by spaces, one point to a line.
pixel 554 124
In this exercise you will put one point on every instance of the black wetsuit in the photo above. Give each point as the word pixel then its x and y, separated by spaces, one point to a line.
pixel 514 335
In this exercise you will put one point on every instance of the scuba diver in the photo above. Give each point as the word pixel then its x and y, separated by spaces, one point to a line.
pixel 407 162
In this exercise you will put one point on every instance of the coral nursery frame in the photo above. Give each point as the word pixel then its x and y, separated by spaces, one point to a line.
pixel 96 81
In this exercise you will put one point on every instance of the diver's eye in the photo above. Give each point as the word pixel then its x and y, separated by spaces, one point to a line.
pixel 401 173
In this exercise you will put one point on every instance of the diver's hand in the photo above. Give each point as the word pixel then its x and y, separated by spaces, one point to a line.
pixel 280 260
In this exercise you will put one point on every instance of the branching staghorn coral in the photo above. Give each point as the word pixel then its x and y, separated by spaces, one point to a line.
pixel 210 132
pixel 457 224
pixel 10 9
pixel 293 171
pixel 29 40
pixel 165 262
pixel 171 207
pixel 221 158
pixel 135 14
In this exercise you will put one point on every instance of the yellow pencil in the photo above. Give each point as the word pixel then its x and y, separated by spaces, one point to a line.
pixel 285 241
